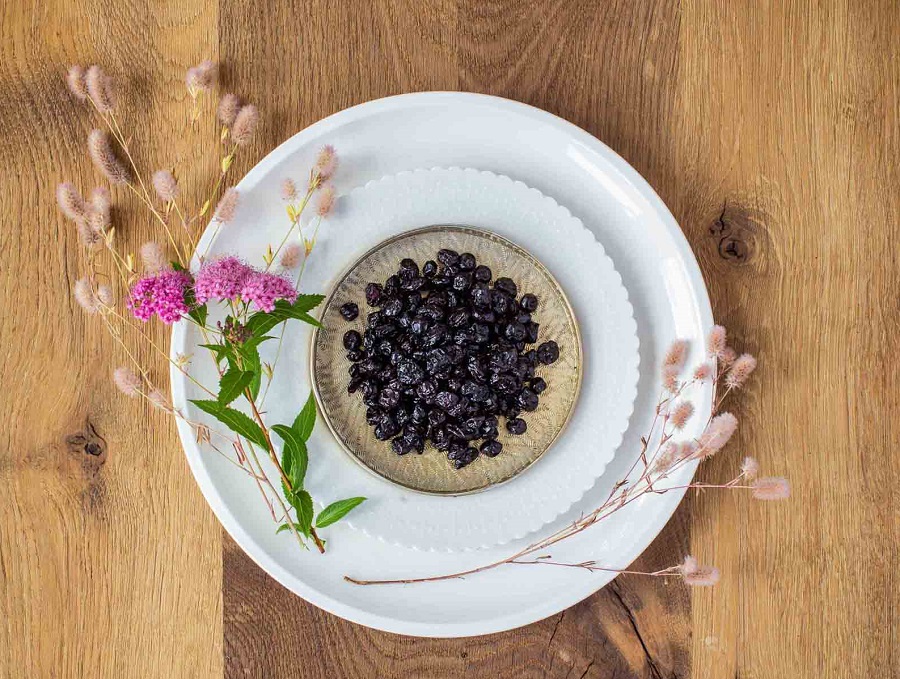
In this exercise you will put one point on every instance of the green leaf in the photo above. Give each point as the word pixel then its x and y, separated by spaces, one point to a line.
pixel 232 384
pixel 306 420
pixel 250 355
pixel 337 511
pixel 198 313
pixel 295 458
pixel 235 420
pixel 220 350
pixel 302 503
pixel 261 322
pixel 287 526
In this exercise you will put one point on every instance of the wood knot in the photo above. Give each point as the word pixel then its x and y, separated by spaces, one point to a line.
pixel 88 444
pixel 739 234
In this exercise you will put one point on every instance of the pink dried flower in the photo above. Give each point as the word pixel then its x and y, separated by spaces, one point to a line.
pixel 667 457
pixel 75 82
pixel 288 189
pixel 88 236
pixel 221 279
pixel 127 381
pixel 750 467
pixel 681 413
pixel 326 162
pixel 158 400
pixel 717 433
pixel 162 294
pixel 716 342
pixel 740 371
pixel 165 185
pixel 291 255
pixel 105 295
pixel 676 355
pixel 84 295
pixel 263 289
pixel 100 199
pixel 670 378
pixel 696 575
pixel 105 158
pixel 153 257
pixel 728 356
pixel 101 89
pixel 203 76
pixel 703 372
pixel 325 201
pixel 229 105
pixel 228 205
pixel 245 125
pixel 70 202
pixel 771 488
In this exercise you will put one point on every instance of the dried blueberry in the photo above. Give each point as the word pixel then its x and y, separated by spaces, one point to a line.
pixel 516 426
pixel 429 269
pixel 408 269
pixel 352 340
pixel 374 293
pixel 538 385
pixel 466 261
pixel 349 311
pixel 528 303
pixel 448 257
pixel 548 352
pixel 506 285
pixel 491 448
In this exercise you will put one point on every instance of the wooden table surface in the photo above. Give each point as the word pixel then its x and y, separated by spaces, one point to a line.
pixel 771 131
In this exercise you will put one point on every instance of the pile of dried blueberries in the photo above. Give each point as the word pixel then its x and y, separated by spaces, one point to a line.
pixel 444 357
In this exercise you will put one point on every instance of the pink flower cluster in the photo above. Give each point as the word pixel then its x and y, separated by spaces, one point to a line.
pixel 221 279
pixel 264 289
pixel 230 279
pixel 162 294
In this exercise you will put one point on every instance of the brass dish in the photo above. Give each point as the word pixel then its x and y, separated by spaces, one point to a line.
pixel 431 472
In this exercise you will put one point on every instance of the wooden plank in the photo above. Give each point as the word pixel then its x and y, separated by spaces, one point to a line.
pixel 788 142
pixel 109 558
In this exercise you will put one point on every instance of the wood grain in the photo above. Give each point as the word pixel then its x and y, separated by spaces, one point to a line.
pixel 772 132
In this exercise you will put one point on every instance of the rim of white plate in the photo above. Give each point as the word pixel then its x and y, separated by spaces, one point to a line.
pixel 666 504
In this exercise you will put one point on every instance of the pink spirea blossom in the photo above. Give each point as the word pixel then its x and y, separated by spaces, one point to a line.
pixel 264 289
pixel 221 279
pixel 162 294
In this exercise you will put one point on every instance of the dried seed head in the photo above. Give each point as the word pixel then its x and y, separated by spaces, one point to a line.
pixel 740 371
pixel 100 199
pixel 153 258
pixel 101 89
pixel 105 158
pixel 291 255
pixel 717 434
pixel 105 295
pixel 676 354
pixel 84 295
pixel 728 356
pixel 245 125
pixel 325 200
pixel 288 189
pixel 716 342
pixel 703 372
pixel 165 185
pixel 681 414
pixel 203 76
pixel 127 381
pixel 696 575
pixel 229 105
pixel 670 379
pixel 750 467
pixel 771 488
pixel 70 202
pixel 88 237
pixel 76 83
pixel 227 206
pixel 158 400
pixel 326 162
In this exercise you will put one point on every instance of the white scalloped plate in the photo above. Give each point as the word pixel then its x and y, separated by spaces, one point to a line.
pixel 408 200
pixel 442 129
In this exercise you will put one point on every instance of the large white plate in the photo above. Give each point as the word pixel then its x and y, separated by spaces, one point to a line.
pixel 665 287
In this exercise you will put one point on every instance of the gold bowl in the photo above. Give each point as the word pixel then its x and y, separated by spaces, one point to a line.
pixel 431 472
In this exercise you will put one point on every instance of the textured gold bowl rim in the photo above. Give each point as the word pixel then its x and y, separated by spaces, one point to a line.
pixel 464 228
